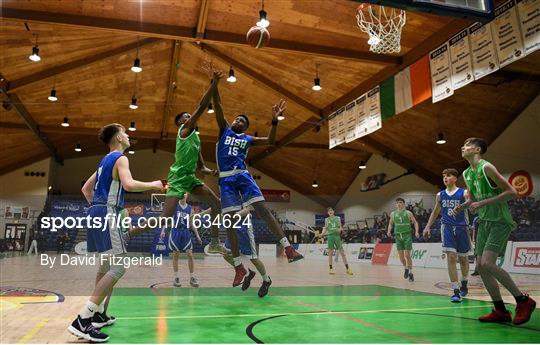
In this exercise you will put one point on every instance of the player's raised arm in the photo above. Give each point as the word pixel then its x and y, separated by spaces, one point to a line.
pixel 129 183
pixel 220 116
pixel 509 192
pixel 270 140
pixel 203 104
pixel 434 214
pixel 88 188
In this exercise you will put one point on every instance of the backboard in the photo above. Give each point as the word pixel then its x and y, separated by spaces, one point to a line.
pixel 477 10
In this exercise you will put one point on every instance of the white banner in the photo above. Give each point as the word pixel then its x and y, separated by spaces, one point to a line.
pixel 350 122
pixel 341 128
pixel 524 258
pixel 484 56
pixel 361 117
pixel 419 254
pixel 507 34
pixel 374 121
pixel 313 251
pixel 460 57
pixel 267 250
pixel 332 130
pixel 441 82
pixel 529 19
pixel 362 254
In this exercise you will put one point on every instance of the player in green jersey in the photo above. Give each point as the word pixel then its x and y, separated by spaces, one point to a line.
pixel 401 220
pixel 489 194
pixel 332 227
pixel 188 159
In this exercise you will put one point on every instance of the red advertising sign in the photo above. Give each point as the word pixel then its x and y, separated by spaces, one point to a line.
pixel 276 195
pixel 522 182
pixel 381 253
pixel 528 257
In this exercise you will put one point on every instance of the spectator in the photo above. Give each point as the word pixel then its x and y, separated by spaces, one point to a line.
pixel 63 238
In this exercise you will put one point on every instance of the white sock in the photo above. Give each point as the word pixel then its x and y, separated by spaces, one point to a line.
pixel 464 279
pixel 237 261
pixel 455 285
pixel 284 242
pixel 191 274
pixel 88 310
pixel 266 277
pixel 176 275
pixel 101 307
pixel 410 269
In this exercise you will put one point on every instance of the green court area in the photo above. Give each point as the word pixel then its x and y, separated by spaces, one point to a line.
pixel 341 314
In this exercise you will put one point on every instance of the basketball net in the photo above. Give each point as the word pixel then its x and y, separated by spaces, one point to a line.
pixel 383 27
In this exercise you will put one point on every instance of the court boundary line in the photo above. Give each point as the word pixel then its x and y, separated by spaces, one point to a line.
pixel 31 333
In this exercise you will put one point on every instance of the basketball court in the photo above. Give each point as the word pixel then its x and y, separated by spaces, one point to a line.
pixel 379 99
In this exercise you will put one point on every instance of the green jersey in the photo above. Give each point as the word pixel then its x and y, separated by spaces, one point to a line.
pixel 332 225
pixel 402 222
pixel 481 188
pixel 186 155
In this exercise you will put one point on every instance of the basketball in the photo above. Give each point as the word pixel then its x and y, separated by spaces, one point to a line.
pixel 258 37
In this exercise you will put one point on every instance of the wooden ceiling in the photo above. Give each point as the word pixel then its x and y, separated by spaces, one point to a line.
pixel 87 49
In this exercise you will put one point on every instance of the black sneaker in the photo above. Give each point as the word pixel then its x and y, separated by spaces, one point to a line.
pixel 411 277
pixel 247 280
pixel 406 274
pixel 475 273
pixel 263 290
pixel 101 320
pixel 463 290
pixel 83 329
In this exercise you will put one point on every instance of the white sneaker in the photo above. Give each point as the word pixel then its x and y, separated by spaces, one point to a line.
pixel 194 282
pixel 177 282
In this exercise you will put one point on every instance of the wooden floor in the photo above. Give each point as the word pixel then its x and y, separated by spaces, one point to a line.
pixel 44 317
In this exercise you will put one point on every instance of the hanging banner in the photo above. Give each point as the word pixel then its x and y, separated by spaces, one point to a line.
pixel 460 57
pixel 484 56
pixel 374 121
pixel 529 19
pixel 441 83
pixel 361 116
pixel 332 130
pixel 341 130
pixel 350 122
pixel 507 34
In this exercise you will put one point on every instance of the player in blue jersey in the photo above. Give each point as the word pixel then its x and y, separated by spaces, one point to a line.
pixel 454 231
pixel 180 240
pixel 105 188
pixel 246 242
pixel 236 184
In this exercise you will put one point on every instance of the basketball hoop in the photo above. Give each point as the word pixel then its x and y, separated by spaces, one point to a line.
pixel 383 27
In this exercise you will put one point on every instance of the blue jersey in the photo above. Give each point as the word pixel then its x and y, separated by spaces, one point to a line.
pixel 107 190
pixel 232 150
pixel 183 214
pixel 448 203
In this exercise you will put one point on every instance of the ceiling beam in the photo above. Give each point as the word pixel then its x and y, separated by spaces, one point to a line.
pixel 203 17
pixel 406 163
pixel 83 131
pixel 167 31
pixel 21 164
pixel 29 120
pixel 171 87
pixel 292 135
pixel 432 42
pixel 261 79
pixel 306 48
pixel 93 58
